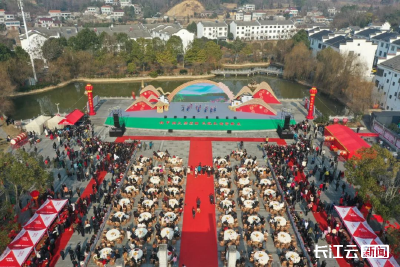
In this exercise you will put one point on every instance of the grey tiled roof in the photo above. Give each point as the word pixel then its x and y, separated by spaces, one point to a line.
pixel 336 41
pixel 367 32
pixel 214 23
pixel 320 34
pixel 393 63
pixel 386 36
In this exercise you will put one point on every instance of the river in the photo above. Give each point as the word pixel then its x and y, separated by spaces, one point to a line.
pixel 72 96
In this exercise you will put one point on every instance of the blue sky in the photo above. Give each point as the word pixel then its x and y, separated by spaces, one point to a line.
pixel 200 89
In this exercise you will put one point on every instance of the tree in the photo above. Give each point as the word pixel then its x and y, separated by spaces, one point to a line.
pixel 192 27
pixel 375 173
pixel 299 63
pixel 301 36
pixel 230 36
pixel 213 52
pixel 86 39
pixel 166 58
pixel 5 53
pixel 131 68
pixel 6 89
pixel 174 44
pixel 53 48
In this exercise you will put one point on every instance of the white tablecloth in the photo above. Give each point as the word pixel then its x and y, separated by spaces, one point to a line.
pixel 173 190
pixel 230 234
pixel 124 201
pixel 222 170
pixel 130 188
pixel 257 236
pixel 223 181
pixel 261 257
pixel 135 177
pixel 269 192
pixel 120 214
pixel 226 203
pixel 174 160
pixel 247 161
pixel 293 256
pixel 104 252
pixel 240 153
pixel 244 181
pixel 113 234
pixel 176 179
pixel 173 202
pixel 148 203
pixel 247 191
pixel 151 190
pixel 167 232
pixel 242 170
pixel 253 218
pixel 136 253
pixel 284 237
pixel 177 169
pixel 220 161
pixel 228 218
pixel 248 203
pixel 137 167
pixel 144 159
pixel 171 216
pixel 276 205
pixel 155 180
pixel 145 216
pixel 160 154
pixel 281 220
pixel 140 232
pixel 265 182
pixel 169 255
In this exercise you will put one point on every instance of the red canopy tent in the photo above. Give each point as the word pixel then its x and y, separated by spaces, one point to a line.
pixel 346 139
pixel 14 257
pixel 26 239
pixel 72 118
pixel 40 221
pixel 51 206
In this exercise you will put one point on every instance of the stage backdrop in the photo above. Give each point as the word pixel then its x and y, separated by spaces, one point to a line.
pixel 201 92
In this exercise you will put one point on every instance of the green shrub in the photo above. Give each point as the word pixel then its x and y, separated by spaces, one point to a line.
pixel 153 74
pixel 183 71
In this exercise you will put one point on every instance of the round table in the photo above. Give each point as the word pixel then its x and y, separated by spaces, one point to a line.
pixel 244 181
pixel 293 256
pixel 148 203
pixel 145 216
pixel 176 180
pixel 144 159
pixel 281 220
pixel 155 180
pixel 130 188
pixel 230 234
pixel 135 177
pixel 140 232
pixel 269 192
pixel 247 191
pixel 247 161
pixel 167 232
pixel 228 218
pixel 173 202
pixel 261 257
pixel 284 237
pixel 257 236
pixel 105 252
pixel 136 253
pixel 151 190
pixel 223 181
pixel 177 169
pixel 242 170
pixel 124 201
pixel 237 255
pixel 160 154
pixel 276 205
pixel 265 182
pixel 248 203
pixel 225 190
pixel 226 203
pixel 222 170
pixel 170 215
pixel 137 167
pixel 253 219
pixel 173 190
pixel 174 160
pixel 221 161
pixel 120 215
pixel 113 234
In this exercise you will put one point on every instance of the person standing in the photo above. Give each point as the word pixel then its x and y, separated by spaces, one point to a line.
pixel 193 212
pixel 198 202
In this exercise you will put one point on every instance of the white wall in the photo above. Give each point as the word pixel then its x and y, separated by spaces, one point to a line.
pixel 37 42
pixel 388 90
pixel 186 36
pixel 200 30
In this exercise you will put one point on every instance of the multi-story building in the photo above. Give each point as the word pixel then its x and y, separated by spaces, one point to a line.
pixel 92 10
pixel 212 30
pixel 366 33
pixel 48 23
pixel 332 11
pixel 59 14
pixel 138 9
pixel 125 3
pixel 388 43
pixel 258 15
pixel 292 11
pixel 166 31
pixel 9 16
pixel 387 84
pixel 27 15
pixel 315 36
pixel 118 14
pixel 12 24
pixel 107 10
pixel 262 29
pixel 249 7
pixel 2 12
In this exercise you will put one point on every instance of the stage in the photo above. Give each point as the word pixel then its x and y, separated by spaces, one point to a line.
pixel 201 121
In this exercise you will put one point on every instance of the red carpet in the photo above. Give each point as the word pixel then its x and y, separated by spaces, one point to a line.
pixel 188 138
pixel 88 190
pixel 61 244
pixel 199 236
pixel 368 134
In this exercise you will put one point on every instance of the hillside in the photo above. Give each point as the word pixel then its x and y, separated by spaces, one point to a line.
pixel 186 8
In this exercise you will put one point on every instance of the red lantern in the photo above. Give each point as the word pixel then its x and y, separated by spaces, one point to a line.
pixel 335 120
pixel 133 95
pixel 345 120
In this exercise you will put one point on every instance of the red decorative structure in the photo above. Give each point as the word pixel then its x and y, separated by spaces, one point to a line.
pixel 335 120
pixel 133 95
pixel 89 91
pixel 313 92
pixel 345 120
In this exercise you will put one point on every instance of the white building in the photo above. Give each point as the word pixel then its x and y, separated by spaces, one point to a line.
pixel 258 15
pixel 9 16
pixel 243 99
pixel 2 12
pixel 27 15
pixel 118 14
pixel 387 84
pixel 315 37
pixel 59 14
pixel 138 9
pixel 92 10
pixel 239 15
pixel 292 11
pixel 332 11
pixel 166 31
pixel 388 43
pixel 48 22
pixel 212 30
pixel 125 3
pixel 249 7
pixel 107 10
pixel 12 24
pixel 262 30
pixel 383 26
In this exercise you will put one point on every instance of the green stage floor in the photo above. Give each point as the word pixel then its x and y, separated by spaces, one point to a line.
pixel 199 124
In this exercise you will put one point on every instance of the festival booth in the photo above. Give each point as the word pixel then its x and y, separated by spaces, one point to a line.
pixel 72 118
pixel 37 124
pixel 40 221
pixel 53 122
pixel 340 137
pixel 363 234
pixel 52 206
pixel 14 257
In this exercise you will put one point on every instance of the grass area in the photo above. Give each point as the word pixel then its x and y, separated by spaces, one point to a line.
pixel 8 130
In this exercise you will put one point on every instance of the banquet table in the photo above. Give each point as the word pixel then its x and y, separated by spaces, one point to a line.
pixel 120 215
pixel 144 159
pixel 167 232
pixel 130 189
pixel 124 201
pixel 247 191
pixel 257 236
pixel 176 179
pixel 244 181
pixel 260 169
pixel 223 181
pixel 222 170
pixel 284 237
pixel 171 216
pixel 221 161
pixel 173 190
pixel 242 170
pixel 174 160
pixel 137 167
pixel 135 177
pixel 225 190
pixel 265 182
pixel 269 192
pixel 293 256
pixel 226 203
pixel 230 234
pixel 247 161
pixel 240 153
pixel 113 234
pixel 148 203
pixel 145 216
pixel 248 203
pixel 173 202
pixel 140 232
pixel 161 154
pixel 155 180
pixel 261 257
pixel 136 253
pixel 281 220
pixel 276 205
pixel 151 190
pixel 105 252
pixel 177 169
pixel 228 218
pixel 253 219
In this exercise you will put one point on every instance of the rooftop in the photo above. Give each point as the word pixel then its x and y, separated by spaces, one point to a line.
pixel 393 63
pixel 54 11
pixel 247 23
pixel 275 22
pixel 386 36
pixel 320 34
pixel 367 32
pixel 214 23
pixel 337 41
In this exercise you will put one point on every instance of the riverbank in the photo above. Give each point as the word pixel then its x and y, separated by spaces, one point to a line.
pixel 116 80
pixel 246 65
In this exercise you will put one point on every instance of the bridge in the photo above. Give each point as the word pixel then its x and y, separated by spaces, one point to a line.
pixel 248 72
